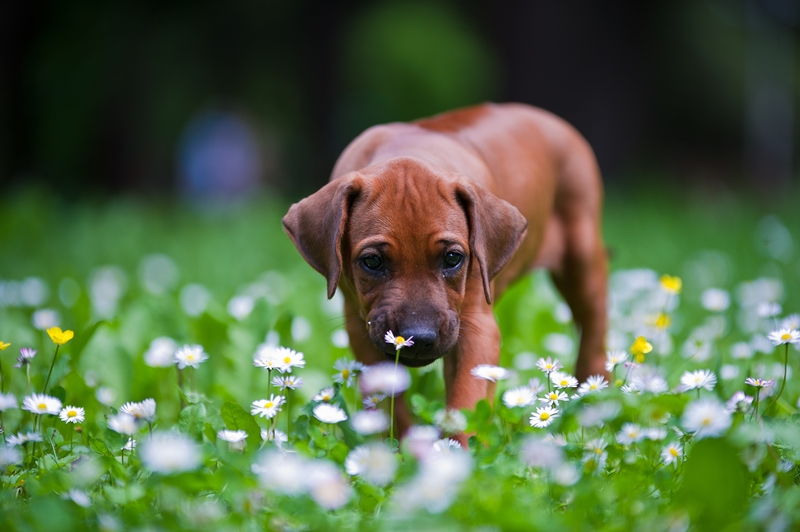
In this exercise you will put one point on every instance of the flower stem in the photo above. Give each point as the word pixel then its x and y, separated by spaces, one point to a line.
pixel 391 408
pixel 783 383
pixel 288 415
pixel 53 363
pixel 180 386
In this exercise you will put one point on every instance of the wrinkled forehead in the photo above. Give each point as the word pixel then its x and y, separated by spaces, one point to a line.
pixel 411 207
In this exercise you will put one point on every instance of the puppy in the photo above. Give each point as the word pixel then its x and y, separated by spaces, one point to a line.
pixel 424 224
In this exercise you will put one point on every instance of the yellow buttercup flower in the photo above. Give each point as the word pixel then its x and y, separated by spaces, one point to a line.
pixel 671 284
pixel 58 336
pixel 3 345
pixel 663 321
pixel 640 348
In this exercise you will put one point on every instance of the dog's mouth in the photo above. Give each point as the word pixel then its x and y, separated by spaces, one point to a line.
pixel 411 362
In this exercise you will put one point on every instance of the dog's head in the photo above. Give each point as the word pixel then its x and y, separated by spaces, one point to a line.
pixel 405 236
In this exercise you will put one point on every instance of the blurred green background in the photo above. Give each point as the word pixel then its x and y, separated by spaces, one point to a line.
pixel 171 97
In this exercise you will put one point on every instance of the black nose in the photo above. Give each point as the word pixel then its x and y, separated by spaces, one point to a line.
pixel 423 337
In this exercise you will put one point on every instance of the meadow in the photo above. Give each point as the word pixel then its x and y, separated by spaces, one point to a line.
pixel 207 383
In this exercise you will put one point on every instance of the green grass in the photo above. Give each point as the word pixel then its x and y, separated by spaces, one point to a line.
pixel 708 240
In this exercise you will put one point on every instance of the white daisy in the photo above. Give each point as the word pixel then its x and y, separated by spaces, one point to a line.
pixel 706 418
pixel 595 383
pixel 9 456
pixel 536 386
pixel 278 437
pixel 739 402
pixel 325 394
pixel 596 454
pixel 41 404
pixel 161 352
pixel 543 417
pixel 79 497
pixel 290 381
pixel 236 438
pixel 791 322
pixel 26 355
pixel 768 309
pixel 450 420
pixel 267 408
pixel 445 445
pixel 130 445
pixel 596 415
pixel 347 371
pixel 490 373
pixel 373 462
pixel 563 380
pixel 672 453
pixel 741 350
pixel 369 421
pixel 520 396
pixel 385 378
pixel 328 413
pixel 267 357
pixel 145 410
pixel 7 401
pixel 553 397
pixel 715 299
pixel 398 341
pixel 784 336
pixel 615 358
pixel 20 439
pixel 170 452
pixel 72 414
pixel 548 365
pixel 701 378
pixel 372 400
pixel 122 423
pixel 289 358
pixel 630 433
pixel 190 356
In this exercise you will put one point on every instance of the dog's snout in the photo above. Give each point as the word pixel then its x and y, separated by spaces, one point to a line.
pixel 423 337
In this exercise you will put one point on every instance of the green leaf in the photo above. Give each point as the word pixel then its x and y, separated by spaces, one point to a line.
pixel 191 419
pixel 79 342
pixel 237 418
pixel 59 392
pixel 714 486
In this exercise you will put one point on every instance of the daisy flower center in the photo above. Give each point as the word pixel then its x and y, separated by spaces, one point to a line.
pixel 72 413
pixel 592 386
pixel 42 406
pixel 544 416
pixel 673 452
pixel 269 404
pixel 345 373
pixel 189 357
pixel 287 360
pixel 786 336
pixel 706 421
pixel 399 340
pixel 598 451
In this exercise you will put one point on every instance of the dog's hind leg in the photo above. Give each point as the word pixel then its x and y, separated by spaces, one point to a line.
pixel 582 276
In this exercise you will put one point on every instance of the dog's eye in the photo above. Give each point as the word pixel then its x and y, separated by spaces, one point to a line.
pixel 453 259
pixel 372 262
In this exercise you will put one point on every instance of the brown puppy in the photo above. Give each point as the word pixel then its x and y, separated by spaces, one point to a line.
pixel 423 225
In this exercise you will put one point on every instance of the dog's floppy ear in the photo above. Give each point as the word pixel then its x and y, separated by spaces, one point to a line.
pixel 496 229
pixel 316 225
